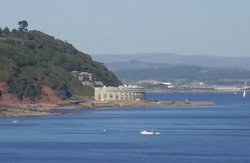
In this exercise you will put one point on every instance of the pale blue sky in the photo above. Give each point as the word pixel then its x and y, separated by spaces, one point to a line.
pixel 203 27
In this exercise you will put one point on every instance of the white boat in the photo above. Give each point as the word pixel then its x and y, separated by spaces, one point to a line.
pixel 145 132
pixel 244 94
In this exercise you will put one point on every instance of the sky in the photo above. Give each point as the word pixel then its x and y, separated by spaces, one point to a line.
pixel 187 27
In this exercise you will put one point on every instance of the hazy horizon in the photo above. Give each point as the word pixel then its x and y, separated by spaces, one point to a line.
pixel 194 27
pixel 166 53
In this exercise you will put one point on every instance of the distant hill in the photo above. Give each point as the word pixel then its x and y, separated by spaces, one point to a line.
pixel 31 59
pixel 166 67
pixel 134 65
pixel 183 72
pixel 166 58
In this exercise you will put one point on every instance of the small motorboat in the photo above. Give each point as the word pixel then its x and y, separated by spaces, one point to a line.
pixel 145 132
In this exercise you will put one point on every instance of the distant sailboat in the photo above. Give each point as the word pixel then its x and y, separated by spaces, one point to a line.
pixel 245 87
pixel 244 94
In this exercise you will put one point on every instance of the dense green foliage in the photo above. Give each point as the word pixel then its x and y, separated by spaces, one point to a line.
pixel 29 60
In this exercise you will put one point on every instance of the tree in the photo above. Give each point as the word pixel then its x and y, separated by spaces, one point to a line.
pixel 14 31
pixel 6 31
pixel 23 26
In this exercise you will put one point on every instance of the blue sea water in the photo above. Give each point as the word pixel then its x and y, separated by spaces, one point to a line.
pixel 218 133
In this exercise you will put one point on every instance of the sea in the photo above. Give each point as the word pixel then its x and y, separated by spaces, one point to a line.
pixel 219 133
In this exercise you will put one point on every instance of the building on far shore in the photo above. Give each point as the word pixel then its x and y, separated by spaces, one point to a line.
pixel 121 93
pixel 227 88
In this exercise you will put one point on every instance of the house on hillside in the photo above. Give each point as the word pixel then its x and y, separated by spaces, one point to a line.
pixel 85 78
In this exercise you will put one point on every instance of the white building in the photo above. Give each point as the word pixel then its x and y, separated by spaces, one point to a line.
pixel 121 93
pixel 85 76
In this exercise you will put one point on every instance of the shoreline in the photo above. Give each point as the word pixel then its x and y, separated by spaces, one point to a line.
pixel 196 91
pixel 49 109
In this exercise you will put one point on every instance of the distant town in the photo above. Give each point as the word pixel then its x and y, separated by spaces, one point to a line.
pixel 136 91
pixel 159 86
